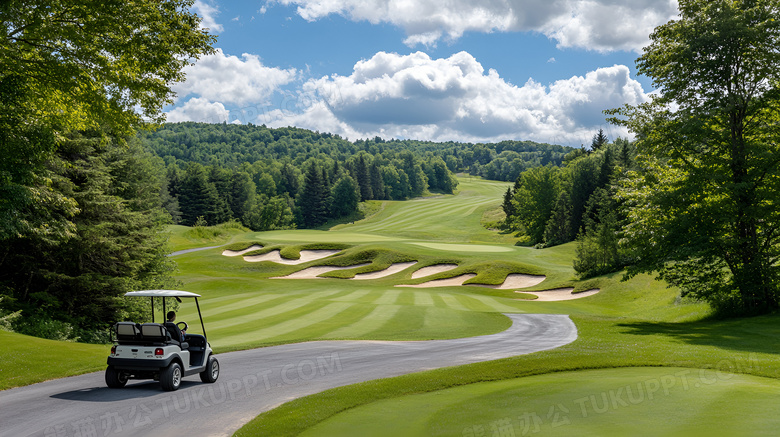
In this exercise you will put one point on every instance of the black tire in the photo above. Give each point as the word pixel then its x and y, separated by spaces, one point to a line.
pixel 115 378
pixel 170 377
pixel 211 373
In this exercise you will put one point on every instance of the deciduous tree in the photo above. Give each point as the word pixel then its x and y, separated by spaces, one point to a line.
pixel 706 206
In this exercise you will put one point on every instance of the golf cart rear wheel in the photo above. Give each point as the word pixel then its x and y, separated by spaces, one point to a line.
pixel 115 378
pixel 170 377
pixel 211 373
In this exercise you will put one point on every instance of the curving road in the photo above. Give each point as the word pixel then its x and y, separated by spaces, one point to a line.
pixel 251 382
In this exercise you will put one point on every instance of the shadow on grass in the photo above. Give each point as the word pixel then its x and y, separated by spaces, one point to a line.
pixel 755 334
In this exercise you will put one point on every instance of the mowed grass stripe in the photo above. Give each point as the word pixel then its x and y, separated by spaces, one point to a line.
pixel 333 296
pixel 388 298
pixel 422 298
pixel 287 306
pixel 423 217
pixel 371 322
pixel 425 212
pixel 351 315
pixel 453 303
pixel 352 297
pixel 238 306
pixel 302 323
pixel 408 320
pixel 405 298
pixel 494 304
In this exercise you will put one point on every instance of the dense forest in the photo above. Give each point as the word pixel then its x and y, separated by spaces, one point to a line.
pixel 290 177
pixel 81 218
pixel 230 145
pixel 577 201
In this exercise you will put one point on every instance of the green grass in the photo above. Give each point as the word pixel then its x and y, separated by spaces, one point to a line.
pixel 611 402
pixel 632 325
pixel 26 360
pixel 183 237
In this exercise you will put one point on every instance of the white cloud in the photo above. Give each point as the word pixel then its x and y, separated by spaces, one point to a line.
pixel 199 109
pixel 414 96
pixel 602 25
pixel 233 80
pixel 208 12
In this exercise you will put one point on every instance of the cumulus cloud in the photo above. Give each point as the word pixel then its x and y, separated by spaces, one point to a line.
pixel 217 80
pixel 414 96
pixel 208 13
pixel 232 80
pixel 602 25
pixel 198 109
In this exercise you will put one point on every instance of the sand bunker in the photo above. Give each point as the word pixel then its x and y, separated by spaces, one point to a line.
pixel 432 270
pixel 241 252
pixel 516 280
pixel 394 268
pixel 314 272
pixel 306 256
pixel 560 294
pixel 449 282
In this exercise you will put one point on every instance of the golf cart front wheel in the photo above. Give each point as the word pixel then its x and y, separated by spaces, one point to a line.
pixel 170 377
pixel 211 373
pixel 115 378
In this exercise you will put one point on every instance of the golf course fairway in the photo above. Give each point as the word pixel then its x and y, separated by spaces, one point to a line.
pixel 628 333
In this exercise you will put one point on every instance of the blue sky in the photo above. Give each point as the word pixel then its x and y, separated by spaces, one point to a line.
pixel 539 70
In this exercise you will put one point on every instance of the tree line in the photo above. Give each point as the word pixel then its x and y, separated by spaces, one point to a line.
pixel 699 203
pixel 304 189
pixel 553 205
pixel 231 145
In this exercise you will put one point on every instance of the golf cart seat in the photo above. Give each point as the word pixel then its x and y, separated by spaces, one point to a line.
pixel 128 333
pixel 158 334
pixel 175 333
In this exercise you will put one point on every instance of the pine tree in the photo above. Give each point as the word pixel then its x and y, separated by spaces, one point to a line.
pixel 313 201
pixel 599 140
pixel 346 197
pixel 377 182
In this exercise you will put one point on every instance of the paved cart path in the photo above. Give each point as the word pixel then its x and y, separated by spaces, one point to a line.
pixel 251 382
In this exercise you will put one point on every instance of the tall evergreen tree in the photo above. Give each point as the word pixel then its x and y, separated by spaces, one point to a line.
pixel 377 182
pixel 197 197
pixel 345 196
pixel 118 244
pixel 599 140
pixel 313 202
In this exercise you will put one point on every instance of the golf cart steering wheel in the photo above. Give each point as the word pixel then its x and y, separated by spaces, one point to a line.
pixel 182 323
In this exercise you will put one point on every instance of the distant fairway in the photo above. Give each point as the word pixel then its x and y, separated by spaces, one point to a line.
pixel 244 308
pixel 439 218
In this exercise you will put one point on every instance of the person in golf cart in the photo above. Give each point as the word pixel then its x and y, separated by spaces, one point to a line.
pixel 158 351
pixel 172 327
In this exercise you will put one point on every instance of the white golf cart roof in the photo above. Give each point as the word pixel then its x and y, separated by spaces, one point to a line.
pixel 161 293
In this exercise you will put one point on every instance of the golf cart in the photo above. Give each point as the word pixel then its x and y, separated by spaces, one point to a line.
pixel 160 351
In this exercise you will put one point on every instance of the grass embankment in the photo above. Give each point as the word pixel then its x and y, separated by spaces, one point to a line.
pixel 26 360
pixel 183 237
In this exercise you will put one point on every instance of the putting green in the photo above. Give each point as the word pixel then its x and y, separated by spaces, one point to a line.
pixel 610 402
